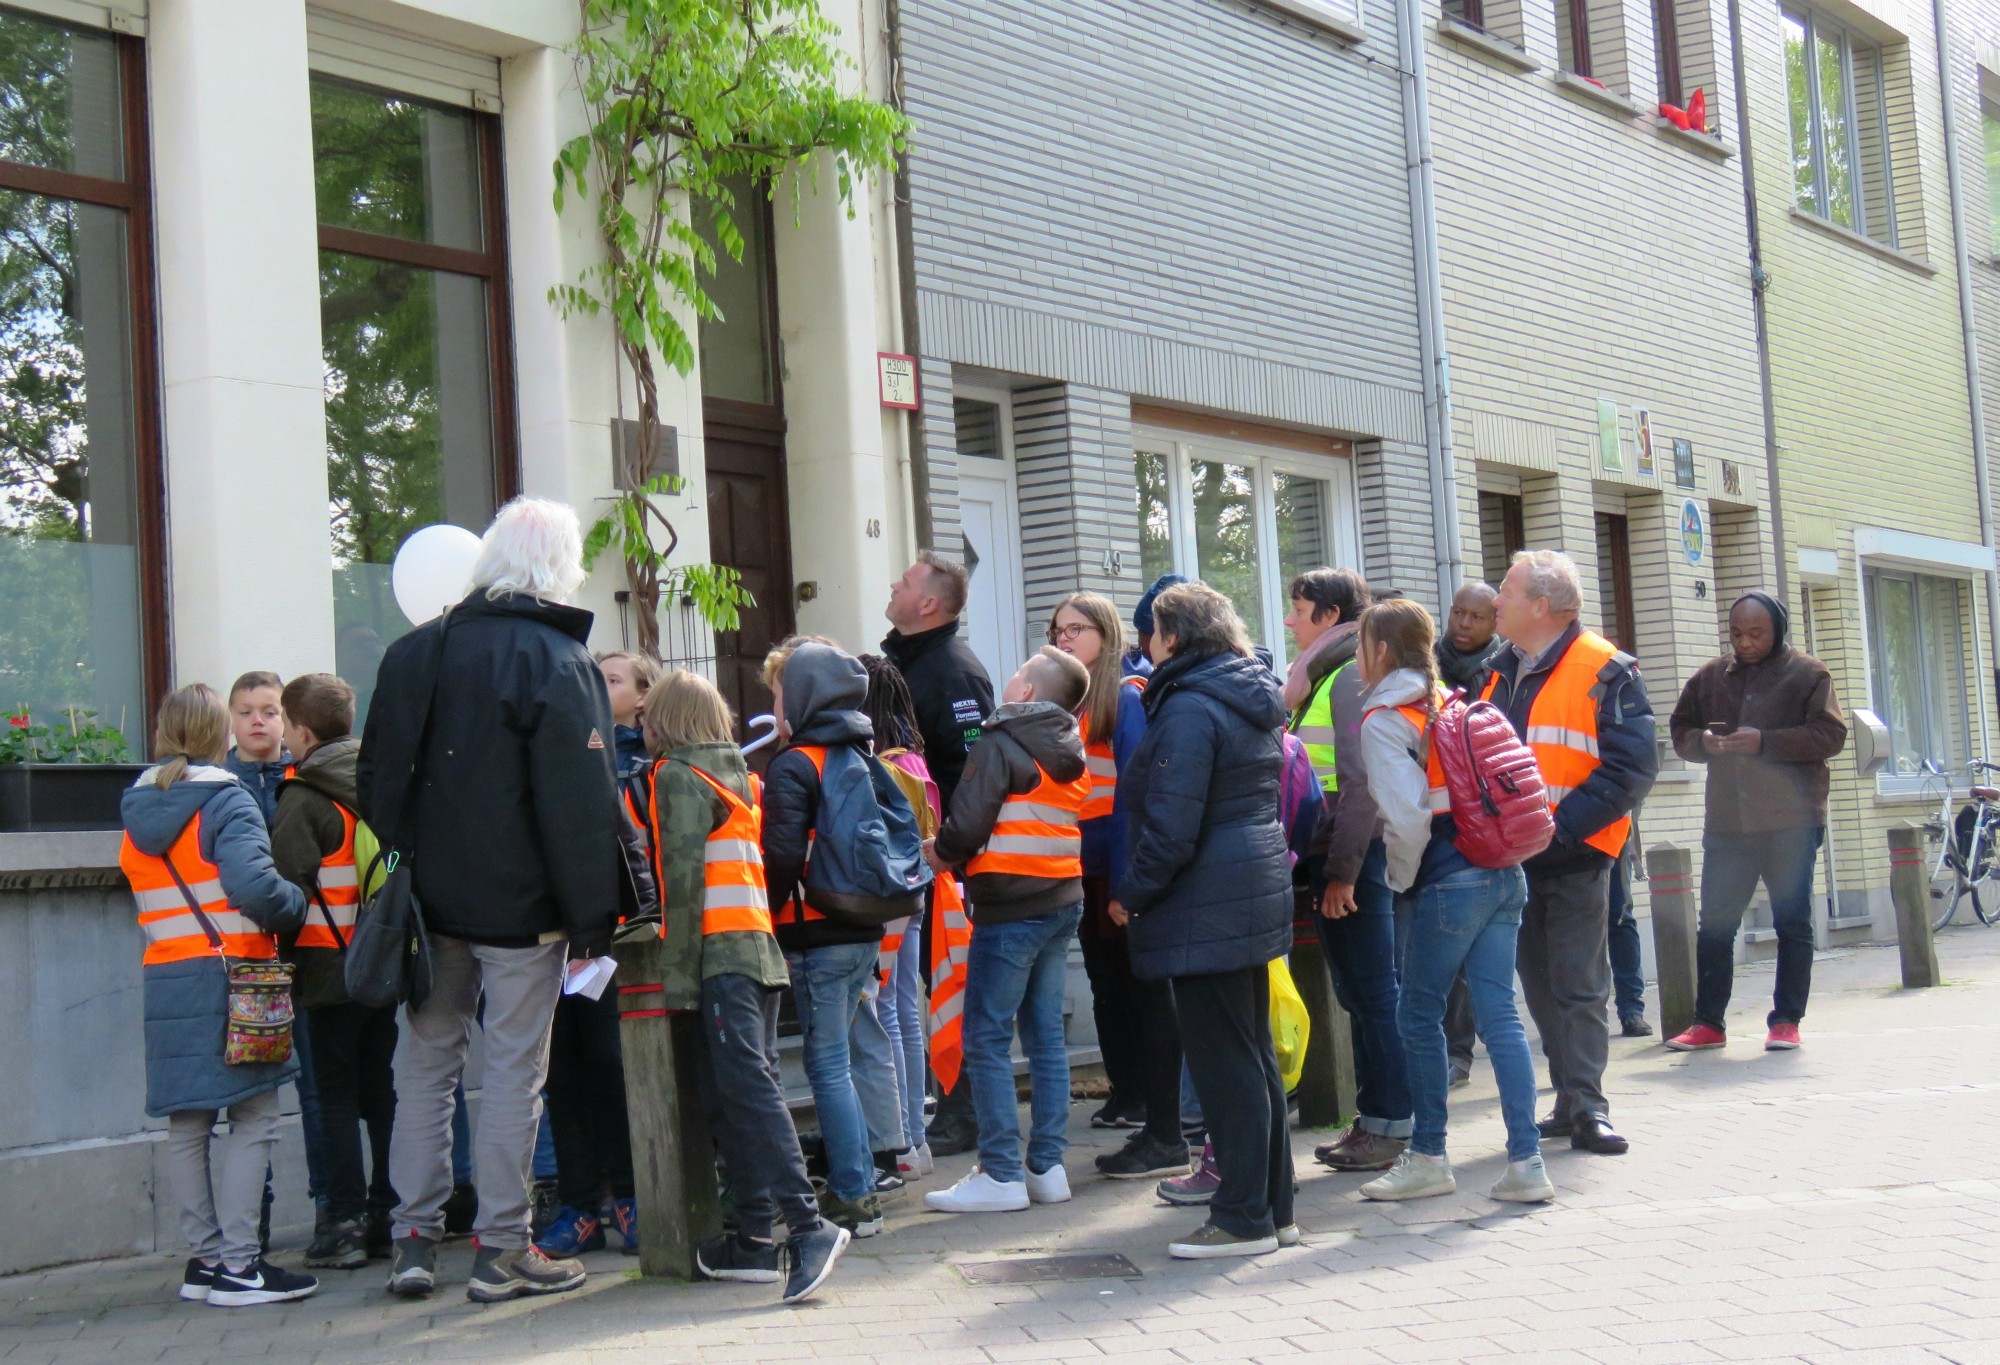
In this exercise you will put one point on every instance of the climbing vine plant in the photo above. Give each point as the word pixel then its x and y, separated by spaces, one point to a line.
pixel 687 98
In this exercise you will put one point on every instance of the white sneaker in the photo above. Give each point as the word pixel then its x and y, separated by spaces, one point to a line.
pixel 1050 1187
pixel 1526 1182
pixel 1414 1176
pixel 916 1163
pixel 980 1193
pixel 1290 1236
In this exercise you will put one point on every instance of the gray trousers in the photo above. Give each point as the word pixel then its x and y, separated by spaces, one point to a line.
pixel 1565 966
pixel 218 1182
pixel 873 1062
pixel 521 986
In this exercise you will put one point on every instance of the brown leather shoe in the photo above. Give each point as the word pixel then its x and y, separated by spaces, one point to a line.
pixel 1367 1152
pixel 1346 1139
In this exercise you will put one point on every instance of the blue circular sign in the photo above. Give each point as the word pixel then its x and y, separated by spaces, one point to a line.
pixel 1694 531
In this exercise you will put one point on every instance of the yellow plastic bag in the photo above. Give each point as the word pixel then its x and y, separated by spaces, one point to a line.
pixel 1291 1026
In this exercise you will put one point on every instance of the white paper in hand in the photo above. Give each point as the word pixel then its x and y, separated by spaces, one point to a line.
pixel 591 978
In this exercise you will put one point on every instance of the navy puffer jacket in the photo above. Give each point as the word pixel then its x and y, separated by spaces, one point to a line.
pixel 1208 882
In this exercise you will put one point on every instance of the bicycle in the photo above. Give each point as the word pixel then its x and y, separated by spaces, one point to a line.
pixel 1959 859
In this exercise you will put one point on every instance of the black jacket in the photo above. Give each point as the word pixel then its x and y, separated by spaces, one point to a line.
pixel 824 691
pixel 952 693
pixel 1627 750
pixel 515 832
pixel 1021 742
pixel 1209 880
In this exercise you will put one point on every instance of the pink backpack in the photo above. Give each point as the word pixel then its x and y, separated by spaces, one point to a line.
pixel 1498 801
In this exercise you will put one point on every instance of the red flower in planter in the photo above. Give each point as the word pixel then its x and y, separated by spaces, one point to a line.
pixel 18 722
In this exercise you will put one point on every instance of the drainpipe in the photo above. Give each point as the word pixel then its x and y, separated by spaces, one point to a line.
pixel 1430 302
pixel 1759 282
pixel 1962 253
pixel 906 291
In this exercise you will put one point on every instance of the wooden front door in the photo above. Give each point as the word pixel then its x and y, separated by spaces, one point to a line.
pixel 749 530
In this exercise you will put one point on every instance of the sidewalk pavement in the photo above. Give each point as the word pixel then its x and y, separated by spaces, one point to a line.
pixel 1836 1203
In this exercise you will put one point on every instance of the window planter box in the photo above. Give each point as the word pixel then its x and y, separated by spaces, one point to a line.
pixel 46 797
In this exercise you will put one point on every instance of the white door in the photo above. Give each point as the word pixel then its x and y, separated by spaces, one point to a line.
pixel 992 553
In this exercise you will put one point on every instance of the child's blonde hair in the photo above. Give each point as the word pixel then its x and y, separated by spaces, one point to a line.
pixel 193 728
pixel 782 652
pixel 684 708
pixel 645 669
pixel 1057 677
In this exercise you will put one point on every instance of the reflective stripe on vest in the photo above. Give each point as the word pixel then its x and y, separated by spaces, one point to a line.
pixel 339 891
pixel 1036 833
pixel 892 944
pixel 1315 729
pixel 1101 765
pixel 733 898
pixel 951 950
pixel 1562 729
pixel 173 933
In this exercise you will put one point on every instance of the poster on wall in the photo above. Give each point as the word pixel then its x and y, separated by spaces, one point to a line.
pixel 1610 445
pixel 1642 441
pixel 1683 462
pixel 1694 531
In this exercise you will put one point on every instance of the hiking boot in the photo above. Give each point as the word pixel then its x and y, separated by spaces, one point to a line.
pixel 544 1206
pixel 950 1135
pixel 378 1235
pixel 1209 1242
pixel 813 1256
pixel 499 1274
pixel 1047 1187
pixel 980 1193
pixel 1783 1038
pixel 197 1279
pixel 1526 1182
pixel 339 1246
pixel 862 1217
pixel 1634 1026
pixel 1362 1151
pixel 625 1219
pixel 1700 1038
pixel 413 1272
pixel 1197 1187
pixel 916 1163
pixel 1414 1176
pixel 1145 1157
pixel 733 1256
pixel 1120 1113
pixel 460 1209
pixel 571 1234
pixel 259 1282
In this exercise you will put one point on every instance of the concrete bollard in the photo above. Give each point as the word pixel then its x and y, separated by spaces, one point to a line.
pixel 1909 888
pixel 1670 874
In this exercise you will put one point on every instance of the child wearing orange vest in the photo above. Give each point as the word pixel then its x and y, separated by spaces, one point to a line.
pixel 313 846
pixel 199 861
pixel 718 955
pixel 1013 826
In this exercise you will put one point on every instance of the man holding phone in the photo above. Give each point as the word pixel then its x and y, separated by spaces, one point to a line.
pixel 1764 719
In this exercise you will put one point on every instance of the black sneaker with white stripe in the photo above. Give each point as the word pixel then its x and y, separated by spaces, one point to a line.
pixel 260 1282
pixel 197 1280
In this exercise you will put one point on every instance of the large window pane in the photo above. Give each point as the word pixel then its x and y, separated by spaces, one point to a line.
pixel 394 166
pixel 1945 740
pixel 1156 516
pixel 1225 537
pixel 1989 127
pixel 1304 507
pixel 1798 86
pixel 736 347
pixel 69 498
pixel 1835 126
pixel 978 425
pixel 409 431
pixel 59 98
pixel 1916 649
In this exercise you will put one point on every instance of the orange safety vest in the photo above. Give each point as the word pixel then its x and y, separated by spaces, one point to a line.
pixel 1100 765
pixel 1036 834
pixel 173 932
pixel 951 949
pixel 1562 728
pixel 796 907
pixel 1440 790
pixel 733 897
pixel 339 893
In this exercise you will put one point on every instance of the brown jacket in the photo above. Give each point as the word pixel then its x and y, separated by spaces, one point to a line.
pixel 1788 698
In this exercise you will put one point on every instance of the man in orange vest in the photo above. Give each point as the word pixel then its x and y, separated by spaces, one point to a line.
pixel 1580 704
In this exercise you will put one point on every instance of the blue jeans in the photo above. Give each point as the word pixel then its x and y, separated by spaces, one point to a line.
pixel 903 1018
pixel 1360 952
pixel 872 1059
pixel 826 987
pixel 1015 971
pixel 1628 976
pixel 1730 867
pixel 1470 918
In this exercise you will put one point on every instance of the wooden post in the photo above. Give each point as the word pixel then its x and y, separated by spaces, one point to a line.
pixel 673 1158
pixel 1670 873
pixel 1909 887
pixel 1326 1089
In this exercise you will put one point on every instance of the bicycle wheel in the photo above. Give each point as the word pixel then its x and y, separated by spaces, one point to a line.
pixel 1947 886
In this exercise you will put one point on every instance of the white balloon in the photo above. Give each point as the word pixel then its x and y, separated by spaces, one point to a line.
pixel 432 570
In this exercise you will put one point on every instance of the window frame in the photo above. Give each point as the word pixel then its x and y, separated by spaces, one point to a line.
pixel 1181 448
pixel 1989 118
pixel 488 264
pixel 132 195
pixel 1889 782
pixel 1817 25
pixel 1579 57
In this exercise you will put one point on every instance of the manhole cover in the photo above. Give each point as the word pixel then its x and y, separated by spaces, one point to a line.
pixel 1042 1269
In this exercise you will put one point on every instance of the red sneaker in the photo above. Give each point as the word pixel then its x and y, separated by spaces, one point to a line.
pixel 1701 1038
pixel 1784 1038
